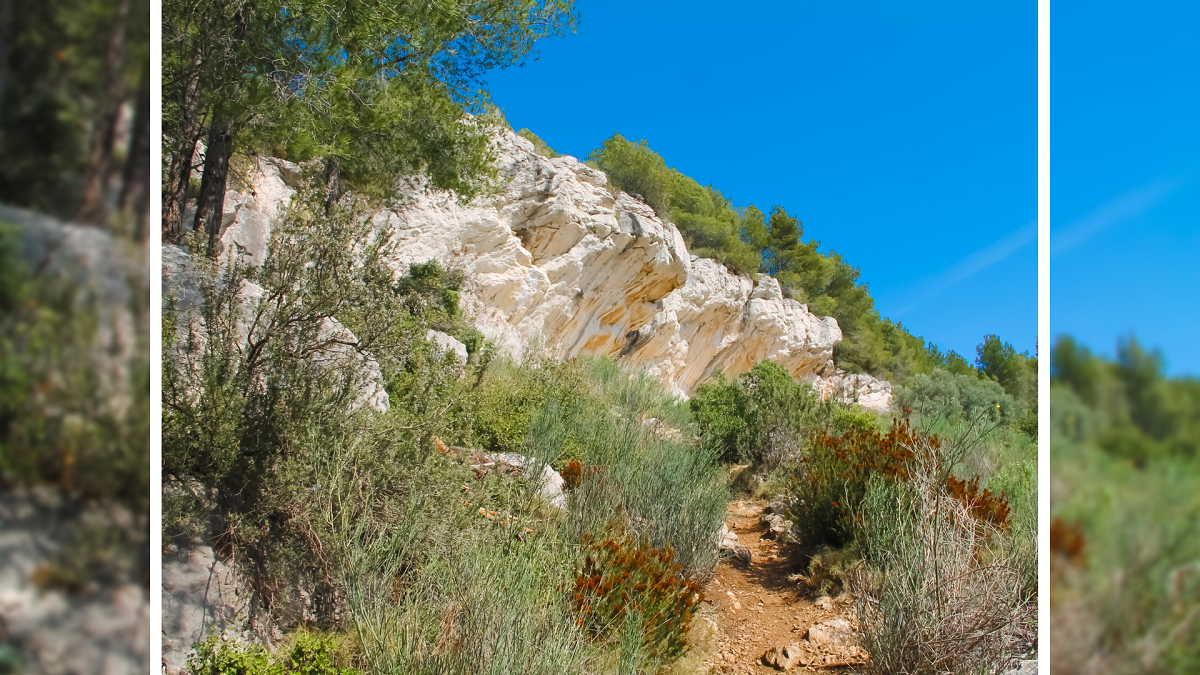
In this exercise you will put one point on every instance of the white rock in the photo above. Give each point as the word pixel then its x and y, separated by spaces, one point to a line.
pixel 832 633
pixel 551 484
pixel 447 343
pixel 555 258
pixel 202 595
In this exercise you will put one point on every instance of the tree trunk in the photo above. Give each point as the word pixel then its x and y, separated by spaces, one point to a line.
pixel 175 191
pixel 5 21
pixel 210 205
pixel 135 189
pixel 333 182
pixel 93 205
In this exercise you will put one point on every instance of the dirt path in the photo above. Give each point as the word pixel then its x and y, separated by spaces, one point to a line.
pixel 755 607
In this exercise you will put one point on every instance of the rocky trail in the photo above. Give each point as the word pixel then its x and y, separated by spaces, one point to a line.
pixel 757 616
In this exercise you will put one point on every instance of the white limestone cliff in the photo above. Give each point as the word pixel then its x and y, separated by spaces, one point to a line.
pixel 556 256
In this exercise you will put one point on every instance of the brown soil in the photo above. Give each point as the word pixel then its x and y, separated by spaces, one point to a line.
pixel 773 611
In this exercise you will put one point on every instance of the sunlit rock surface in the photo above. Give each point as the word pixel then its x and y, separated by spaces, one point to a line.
pixel 555 258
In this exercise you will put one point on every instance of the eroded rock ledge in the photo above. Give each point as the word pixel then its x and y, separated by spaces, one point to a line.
pixel 556 256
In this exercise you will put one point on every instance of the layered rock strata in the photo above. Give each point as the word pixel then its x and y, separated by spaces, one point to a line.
pixel 556 257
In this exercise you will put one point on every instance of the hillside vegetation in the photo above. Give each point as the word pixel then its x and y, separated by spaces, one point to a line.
pixel 383 531
pixel 522 514
pixel 1125 555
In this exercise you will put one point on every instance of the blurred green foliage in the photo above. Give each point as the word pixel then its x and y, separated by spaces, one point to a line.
pixel 1125 535
pixel 55 423
pixel 52 89
pixel 763 417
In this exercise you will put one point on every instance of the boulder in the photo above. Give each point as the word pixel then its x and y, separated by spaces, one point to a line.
pixel 832 634
pixel 551 485
pixel 783 657
pixel 448 344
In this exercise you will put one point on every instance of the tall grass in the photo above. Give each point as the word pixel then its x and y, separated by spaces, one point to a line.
pixel 942 592
pixel 431 586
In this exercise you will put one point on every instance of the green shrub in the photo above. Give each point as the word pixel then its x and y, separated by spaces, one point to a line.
pixel 764 417
pixel 720 411
pixel 214 657
pixel 945 394
pixel 636 169
pixel 309 654
pixel 539 146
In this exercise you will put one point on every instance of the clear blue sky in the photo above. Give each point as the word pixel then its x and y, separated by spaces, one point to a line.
pixel 904 137
pixel 1125 175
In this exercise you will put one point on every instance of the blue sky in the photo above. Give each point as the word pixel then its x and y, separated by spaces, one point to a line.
pixel 1125 176
pixel 904 137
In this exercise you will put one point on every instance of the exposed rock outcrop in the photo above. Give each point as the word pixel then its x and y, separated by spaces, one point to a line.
pixel 202 595
pixel 556 256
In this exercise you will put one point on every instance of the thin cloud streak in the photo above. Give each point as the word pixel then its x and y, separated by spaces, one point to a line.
pixel 973 264
pixel 1126 207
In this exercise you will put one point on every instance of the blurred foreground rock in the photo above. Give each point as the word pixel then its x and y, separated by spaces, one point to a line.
pixel 57 627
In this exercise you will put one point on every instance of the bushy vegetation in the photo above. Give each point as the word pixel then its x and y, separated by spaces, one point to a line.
pixel 945 393
pixel 308 654
pixel 1125 586
pixel 374 523
pixel 758 417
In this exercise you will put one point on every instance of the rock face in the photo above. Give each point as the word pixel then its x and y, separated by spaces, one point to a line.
pixel 556 257
pixel 201 596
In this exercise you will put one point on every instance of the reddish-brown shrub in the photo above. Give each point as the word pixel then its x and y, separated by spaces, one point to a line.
pixel 572 474
pixel 622 575
pixel 839 466
pixel 1067 540
pixel 985 506
pixel 835 475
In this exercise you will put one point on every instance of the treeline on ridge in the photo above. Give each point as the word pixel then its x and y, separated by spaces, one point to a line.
pixel 1125 406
